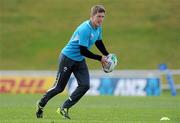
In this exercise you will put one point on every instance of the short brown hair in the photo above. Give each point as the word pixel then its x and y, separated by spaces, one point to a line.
pixel 97 9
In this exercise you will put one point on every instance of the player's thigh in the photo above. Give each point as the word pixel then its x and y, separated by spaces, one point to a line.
pixel 64 71
pixel 81 73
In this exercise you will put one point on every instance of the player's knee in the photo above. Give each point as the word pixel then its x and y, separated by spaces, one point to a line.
pixel 58 90
pixel 86 87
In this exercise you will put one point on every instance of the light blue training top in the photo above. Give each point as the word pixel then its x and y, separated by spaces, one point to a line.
pixel 85 35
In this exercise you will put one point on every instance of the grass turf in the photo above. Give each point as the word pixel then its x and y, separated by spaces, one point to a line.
pixel 143 33
pixel 92 109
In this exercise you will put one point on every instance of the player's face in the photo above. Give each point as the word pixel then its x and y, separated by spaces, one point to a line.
pixel 97 19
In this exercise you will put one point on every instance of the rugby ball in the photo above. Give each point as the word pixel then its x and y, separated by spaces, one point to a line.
pixel 111 63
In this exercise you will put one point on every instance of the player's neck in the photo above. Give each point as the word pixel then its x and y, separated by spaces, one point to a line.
pixel 92 24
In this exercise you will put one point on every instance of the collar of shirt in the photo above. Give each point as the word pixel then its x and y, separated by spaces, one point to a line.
pixel 90 23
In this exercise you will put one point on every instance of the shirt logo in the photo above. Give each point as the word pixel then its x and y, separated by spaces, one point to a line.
pixel 92 36
pixel 65 69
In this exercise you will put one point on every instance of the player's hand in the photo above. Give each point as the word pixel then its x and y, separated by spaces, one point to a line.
pixel 104 60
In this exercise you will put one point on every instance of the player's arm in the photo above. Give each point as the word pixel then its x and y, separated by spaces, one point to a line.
pixel 84 34
pixel 85 52
pixel 100 45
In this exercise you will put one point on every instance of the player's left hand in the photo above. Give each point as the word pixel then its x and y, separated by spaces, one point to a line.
pixel 104 60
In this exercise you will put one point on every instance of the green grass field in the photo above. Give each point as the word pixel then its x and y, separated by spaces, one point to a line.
pixel 143 33
pixel 92 109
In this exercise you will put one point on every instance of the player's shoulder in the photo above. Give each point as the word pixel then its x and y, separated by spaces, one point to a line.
pixel 84 25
